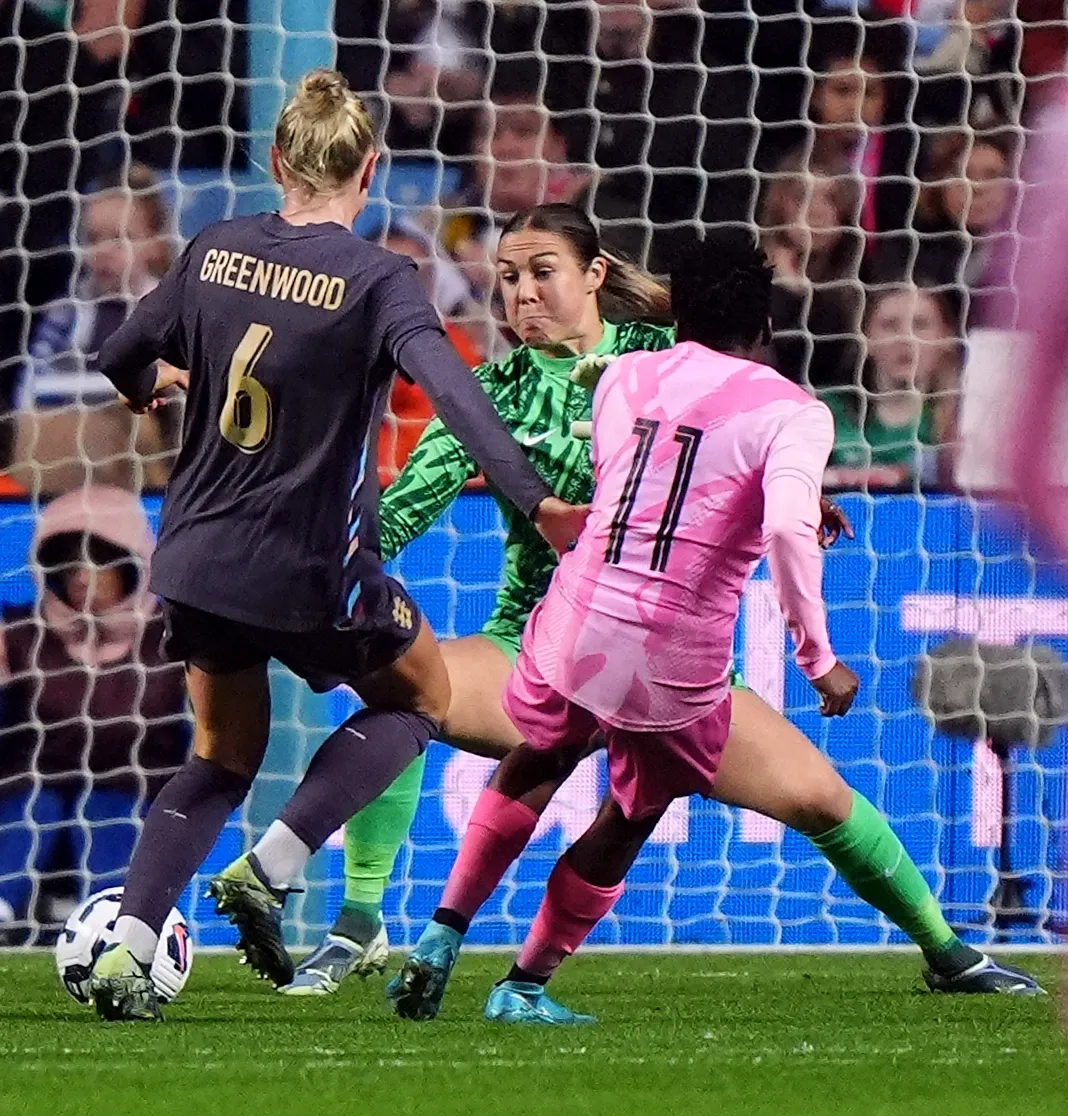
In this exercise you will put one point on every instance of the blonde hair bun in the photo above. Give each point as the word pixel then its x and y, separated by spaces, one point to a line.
pixel 324 134
pixel 321 94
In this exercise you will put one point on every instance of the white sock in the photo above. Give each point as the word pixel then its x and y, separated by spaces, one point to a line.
pixel 282 854
pixel 138 937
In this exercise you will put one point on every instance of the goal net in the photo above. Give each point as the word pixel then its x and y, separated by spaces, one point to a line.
pixel 879 157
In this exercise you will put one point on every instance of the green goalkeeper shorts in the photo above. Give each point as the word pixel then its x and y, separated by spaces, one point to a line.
pixel 504 636
pixel 507 637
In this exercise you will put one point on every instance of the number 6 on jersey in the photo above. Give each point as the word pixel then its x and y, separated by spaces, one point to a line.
pixel 246 417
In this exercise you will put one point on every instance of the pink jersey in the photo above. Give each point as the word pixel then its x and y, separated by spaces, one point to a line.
pixel 703 462
pixel 1043 381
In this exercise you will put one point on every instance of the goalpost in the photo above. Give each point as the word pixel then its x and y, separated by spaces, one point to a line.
pixel 988 828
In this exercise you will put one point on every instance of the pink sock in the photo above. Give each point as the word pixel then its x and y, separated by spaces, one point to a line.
pixel 570 910
pixel 497 833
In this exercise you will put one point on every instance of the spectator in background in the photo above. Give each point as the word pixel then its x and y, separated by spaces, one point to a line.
pixel 371 31
pixel 431 60
pixel 755 53
pixel 898 427
pixel 966 57
pixel 432 86
pixel 185 62
pixel 967 192
pixel 71 425
pixel 812 239
pixel 46 155
pixel 523 158
pixel 409 409
pixel 858 108
pixel 171 69
pixel 93 718
pixel 1042 52
pixel 373 34
pixel 638 98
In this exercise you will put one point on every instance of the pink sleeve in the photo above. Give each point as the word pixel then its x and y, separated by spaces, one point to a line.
pixel 793 481
pixel 1045 317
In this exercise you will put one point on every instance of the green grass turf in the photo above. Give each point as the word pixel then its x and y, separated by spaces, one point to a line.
pixel 679 1034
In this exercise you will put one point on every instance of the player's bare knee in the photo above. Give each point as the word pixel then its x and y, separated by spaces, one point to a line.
pixel 820 805
pixel 240 757
pixel 527 769
pixel 434 697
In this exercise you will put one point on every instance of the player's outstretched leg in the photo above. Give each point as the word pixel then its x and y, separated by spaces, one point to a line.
pixel 357 942
pixel 232 719
pixel 242 893
pixel 478 668
pixel 769 766
pixel 502 823
pixel 340 780
pixel 869 856
pixel 584 886
pixel 353 766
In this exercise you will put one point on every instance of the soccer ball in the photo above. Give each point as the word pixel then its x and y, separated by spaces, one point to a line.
pixel 88 931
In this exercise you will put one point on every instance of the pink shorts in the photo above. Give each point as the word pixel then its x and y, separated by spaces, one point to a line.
pixel 646 770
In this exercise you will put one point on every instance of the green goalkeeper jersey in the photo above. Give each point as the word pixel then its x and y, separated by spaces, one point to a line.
pixel 535 397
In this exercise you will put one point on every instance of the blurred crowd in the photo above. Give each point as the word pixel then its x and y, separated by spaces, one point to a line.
pixel 103 105
pixel 875 149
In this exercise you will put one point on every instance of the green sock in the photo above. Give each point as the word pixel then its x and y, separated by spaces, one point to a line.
pixel 372 840
pixel 872 860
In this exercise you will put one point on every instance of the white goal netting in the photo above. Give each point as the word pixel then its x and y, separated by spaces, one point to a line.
pixel 878 155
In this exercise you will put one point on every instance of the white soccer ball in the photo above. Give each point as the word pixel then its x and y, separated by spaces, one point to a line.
pixel 88 931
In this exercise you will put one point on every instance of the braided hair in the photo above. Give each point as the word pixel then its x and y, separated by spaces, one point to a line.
pixel 721 291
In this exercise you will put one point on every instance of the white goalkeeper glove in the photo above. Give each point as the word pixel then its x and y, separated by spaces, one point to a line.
pixel 588 370
pixel 586 373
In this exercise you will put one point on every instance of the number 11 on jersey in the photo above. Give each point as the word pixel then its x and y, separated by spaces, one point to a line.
pixel 689 438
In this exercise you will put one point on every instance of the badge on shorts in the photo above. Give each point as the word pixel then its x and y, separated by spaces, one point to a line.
pixel 402 614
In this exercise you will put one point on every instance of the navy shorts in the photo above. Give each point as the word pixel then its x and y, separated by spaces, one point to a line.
pixel 383 626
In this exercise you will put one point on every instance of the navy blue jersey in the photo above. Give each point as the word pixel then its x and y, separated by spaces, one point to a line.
pixel 291 335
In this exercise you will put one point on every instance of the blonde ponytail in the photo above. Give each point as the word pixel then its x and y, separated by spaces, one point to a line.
pixel 324 133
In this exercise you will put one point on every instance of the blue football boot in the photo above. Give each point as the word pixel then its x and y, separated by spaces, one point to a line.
pixel 417 990
pixel 513 1001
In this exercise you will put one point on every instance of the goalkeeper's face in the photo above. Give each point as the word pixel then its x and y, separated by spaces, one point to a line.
pixel 550 298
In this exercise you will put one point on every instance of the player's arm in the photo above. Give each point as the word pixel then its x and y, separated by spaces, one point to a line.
pixel 793 479
pixel 152 332
pixel 409 332
pixel 433 476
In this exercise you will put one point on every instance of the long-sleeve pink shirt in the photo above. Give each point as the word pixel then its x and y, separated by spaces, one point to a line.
pixel 703 462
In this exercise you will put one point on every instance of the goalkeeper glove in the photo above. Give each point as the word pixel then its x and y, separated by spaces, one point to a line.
pixel 588 370
pixel 586 373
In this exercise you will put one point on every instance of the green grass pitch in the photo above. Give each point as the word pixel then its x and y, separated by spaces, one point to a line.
pixel 680 1034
